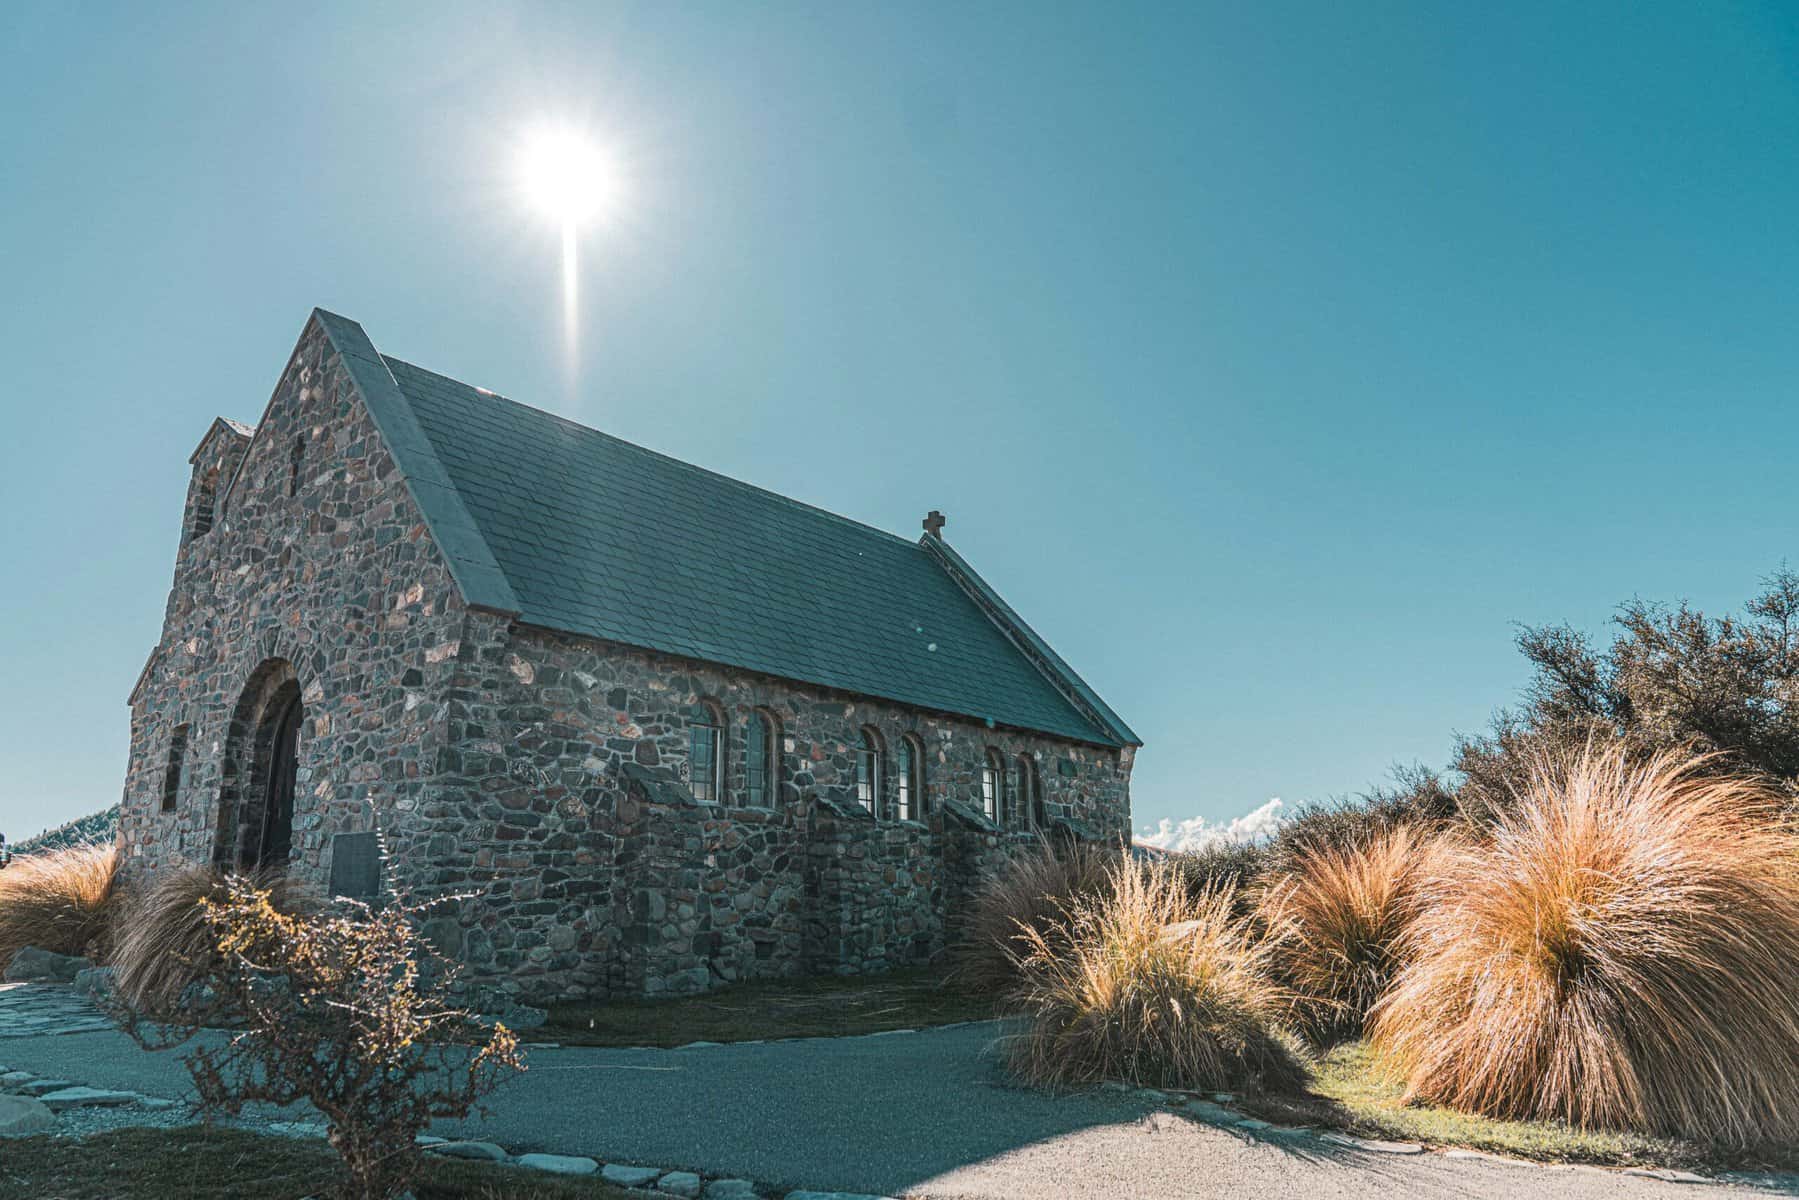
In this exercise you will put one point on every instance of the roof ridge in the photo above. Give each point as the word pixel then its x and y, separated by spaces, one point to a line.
pixel 668 458
pixel 1038 651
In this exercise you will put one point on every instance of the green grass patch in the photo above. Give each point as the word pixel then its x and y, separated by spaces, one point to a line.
pixel 196 1163
pixel 815 1006
pixel 1349 1091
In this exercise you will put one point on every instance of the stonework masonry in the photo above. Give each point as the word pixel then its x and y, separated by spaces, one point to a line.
pixel 544 774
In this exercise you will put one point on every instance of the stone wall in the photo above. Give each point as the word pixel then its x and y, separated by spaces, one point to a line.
pixel 564 782
pixel 316 558
pixel 714 894
pixel 874 891
pixel 546 773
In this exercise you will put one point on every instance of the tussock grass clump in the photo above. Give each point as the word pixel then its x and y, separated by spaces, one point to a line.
pixel 1147 983
pixel 1029 894
pixel 60 900
pixel 163 942
pixel 1619 953
pixel 1338 918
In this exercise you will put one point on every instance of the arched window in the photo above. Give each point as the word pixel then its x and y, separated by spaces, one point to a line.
pixel 909 803
pixel 706 754
pixel 1030 794
pixel 868 772
pixel 993 779
pixel 761 759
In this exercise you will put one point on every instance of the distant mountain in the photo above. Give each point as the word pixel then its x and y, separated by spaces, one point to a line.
pixel 99 827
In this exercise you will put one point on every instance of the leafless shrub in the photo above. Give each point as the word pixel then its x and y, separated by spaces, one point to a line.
pixel 163 942
pixel 332 1009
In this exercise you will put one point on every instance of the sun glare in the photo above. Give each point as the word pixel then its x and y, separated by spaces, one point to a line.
pixel 572 182
pixel 566 177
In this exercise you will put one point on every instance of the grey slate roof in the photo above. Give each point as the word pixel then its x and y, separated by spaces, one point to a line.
pixel 577 531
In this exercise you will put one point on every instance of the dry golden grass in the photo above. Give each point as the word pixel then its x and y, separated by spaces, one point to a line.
pixel 162 941
pixel 1338 916
pixel 1147 983
pixel 60 900
pixel 1622 953
pixel 1030 893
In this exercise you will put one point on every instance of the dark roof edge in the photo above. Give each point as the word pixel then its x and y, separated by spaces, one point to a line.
pixel 458 538
pixel 138 687
pixel 1085 700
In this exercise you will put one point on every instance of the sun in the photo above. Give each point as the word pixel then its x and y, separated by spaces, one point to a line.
pixel 566 177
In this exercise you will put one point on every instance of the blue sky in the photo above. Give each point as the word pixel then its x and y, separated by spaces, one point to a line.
pixel 1272 359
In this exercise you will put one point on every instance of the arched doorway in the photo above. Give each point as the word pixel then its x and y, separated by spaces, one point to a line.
pixel 259 772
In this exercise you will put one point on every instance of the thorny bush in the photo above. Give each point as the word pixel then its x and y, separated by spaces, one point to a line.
pixel 332 1008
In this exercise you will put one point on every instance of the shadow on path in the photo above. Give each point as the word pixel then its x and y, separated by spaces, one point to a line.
pixel 915 1114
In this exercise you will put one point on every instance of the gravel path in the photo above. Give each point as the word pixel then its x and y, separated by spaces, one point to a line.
pixel 910 1114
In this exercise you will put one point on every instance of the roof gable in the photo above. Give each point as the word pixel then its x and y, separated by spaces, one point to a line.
pixel 226 427
pixel 573 530
pixel 458 539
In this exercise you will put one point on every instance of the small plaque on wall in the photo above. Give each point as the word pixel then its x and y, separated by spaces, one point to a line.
pixel 355 866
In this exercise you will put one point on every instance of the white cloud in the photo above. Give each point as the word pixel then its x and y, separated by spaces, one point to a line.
pixel 1197 833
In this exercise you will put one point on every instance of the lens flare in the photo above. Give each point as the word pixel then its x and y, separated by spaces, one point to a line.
pixel 566 177
pixel 572 182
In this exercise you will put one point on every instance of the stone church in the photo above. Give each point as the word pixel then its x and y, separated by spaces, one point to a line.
pixel 671 728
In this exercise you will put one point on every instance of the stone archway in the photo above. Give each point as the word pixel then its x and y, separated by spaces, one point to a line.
pixel 259 772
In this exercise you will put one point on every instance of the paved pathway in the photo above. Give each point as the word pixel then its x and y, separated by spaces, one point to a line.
pixel 911 1114
pixel 32 1010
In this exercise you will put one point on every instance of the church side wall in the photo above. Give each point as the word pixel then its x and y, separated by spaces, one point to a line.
pixel 594 883
pixel 316 556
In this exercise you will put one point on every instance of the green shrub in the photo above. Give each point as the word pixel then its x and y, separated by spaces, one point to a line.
pixel 96 829
pixel 1234 866
pixel 1417 799
pixel 1671 679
